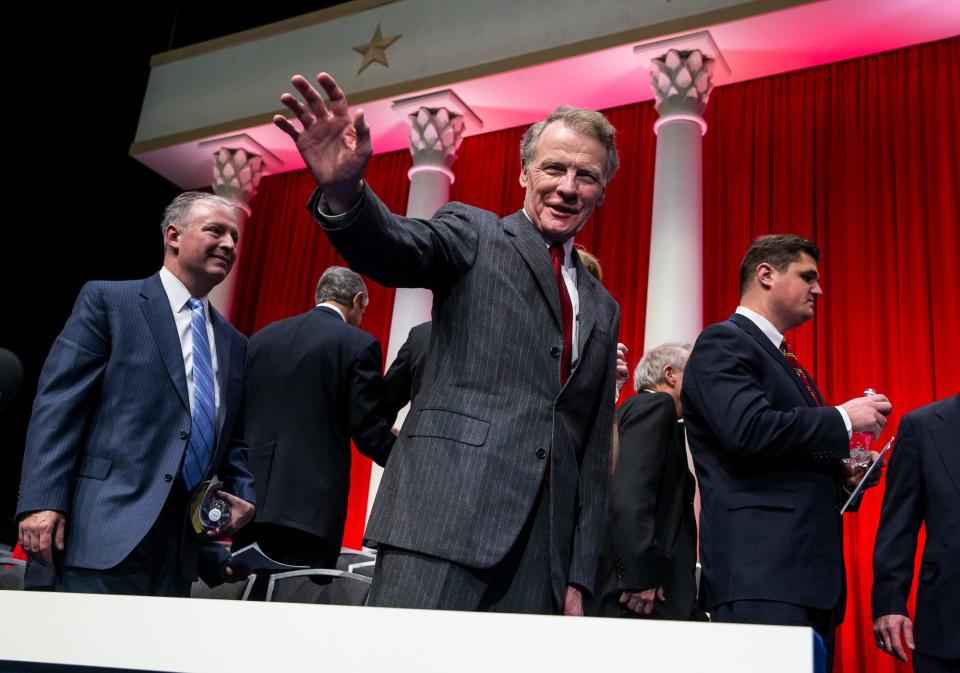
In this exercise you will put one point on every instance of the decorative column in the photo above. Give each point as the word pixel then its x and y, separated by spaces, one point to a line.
pixel 681 80
pixel 236 176
pixel 437 124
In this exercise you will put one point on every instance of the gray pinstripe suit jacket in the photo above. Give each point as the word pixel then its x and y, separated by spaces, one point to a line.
pixel 111 418
pixel 471 457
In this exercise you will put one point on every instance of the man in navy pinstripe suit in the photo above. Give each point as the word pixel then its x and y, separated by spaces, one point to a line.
pixel 103 491
pixel 493 498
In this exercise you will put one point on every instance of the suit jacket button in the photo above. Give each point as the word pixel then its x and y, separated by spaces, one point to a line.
pixel 541 453
pixel 183 434
pixel 168 477
pixel 555 352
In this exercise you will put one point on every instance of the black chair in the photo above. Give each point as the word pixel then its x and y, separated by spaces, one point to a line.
pixel 11 573
pixel 229 591
pixel 318 586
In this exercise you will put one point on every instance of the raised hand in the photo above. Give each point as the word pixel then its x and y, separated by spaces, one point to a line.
pixel 335 147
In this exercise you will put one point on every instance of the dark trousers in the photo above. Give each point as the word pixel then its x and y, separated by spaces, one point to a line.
pixel 824 622
pixel 521 582
pixel 153 568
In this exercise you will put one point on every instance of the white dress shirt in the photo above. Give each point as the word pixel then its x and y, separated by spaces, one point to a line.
pixel 178 294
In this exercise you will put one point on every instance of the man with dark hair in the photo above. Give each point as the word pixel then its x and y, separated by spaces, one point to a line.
pixel 494 496
pixel 138 403
pixel 648 564
pixel 768 450
pixel 313 383
pixel 923 487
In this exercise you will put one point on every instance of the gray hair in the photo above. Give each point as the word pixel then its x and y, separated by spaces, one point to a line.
pixel 649 371
pixel 339 284
pixel 590 122
pixel 178 212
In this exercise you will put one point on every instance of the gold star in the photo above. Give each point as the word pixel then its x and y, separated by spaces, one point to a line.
pixel 375 49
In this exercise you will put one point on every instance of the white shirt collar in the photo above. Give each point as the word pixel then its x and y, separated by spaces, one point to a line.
pixel 765 325
pixel 178 294
pixel 330 304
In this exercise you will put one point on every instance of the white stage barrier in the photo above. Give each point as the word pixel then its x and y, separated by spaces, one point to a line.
pixel 170 635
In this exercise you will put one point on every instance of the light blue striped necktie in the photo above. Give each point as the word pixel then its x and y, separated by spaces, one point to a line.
pixel 200 446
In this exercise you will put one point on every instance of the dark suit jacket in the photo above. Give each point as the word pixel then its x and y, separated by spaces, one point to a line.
pixel 112 416
pixel 766 462
pixel 923 486
pixel 401 383
pixel 313 382
pixel 651 531
pixel 471 458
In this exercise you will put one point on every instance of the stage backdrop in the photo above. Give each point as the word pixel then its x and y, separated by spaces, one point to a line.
pixel 861 156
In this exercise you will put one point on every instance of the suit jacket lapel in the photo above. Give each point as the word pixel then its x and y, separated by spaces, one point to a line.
pixel 945 433
pixel 587 290
pixel 750 328
pixel 224 352
pixel 156 310
pixel 531 246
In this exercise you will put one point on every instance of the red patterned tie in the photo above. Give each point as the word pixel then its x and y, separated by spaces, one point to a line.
pixel 566 312
pixel 787 351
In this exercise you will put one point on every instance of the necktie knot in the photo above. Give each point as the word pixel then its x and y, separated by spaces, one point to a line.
pixel 556 250
pixel 194 303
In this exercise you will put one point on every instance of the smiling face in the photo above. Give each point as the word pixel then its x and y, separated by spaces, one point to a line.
pixel 793 292
pixel 564 181
pixel 202 250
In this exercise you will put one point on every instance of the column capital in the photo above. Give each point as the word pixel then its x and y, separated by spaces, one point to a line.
pixel 681 75
pixel 236 175
pixel 437 123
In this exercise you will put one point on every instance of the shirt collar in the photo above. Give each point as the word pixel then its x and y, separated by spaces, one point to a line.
pixel 331 305
pixel 178 294
pixel 765 325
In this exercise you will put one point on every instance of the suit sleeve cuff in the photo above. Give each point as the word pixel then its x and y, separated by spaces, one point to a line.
pixel 846 421
pixel 321 211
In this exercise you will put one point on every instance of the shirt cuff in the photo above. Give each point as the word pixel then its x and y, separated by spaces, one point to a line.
pixel 846 421
pixel 344 219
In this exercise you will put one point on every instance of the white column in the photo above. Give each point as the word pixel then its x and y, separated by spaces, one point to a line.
pixel 236 176
pixel 437 123
pixel 682 83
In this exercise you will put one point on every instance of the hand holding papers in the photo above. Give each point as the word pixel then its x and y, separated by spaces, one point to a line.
pixel 865 481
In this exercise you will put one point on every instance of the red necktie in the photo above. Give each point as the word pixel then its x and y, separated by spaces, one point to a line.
pixel 787 351
pixel 566 312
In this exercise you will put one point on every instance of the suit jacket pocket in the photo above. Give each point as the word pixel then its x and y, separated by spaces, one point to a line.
pixel 776 500
pixel 446 424
pixel 95 467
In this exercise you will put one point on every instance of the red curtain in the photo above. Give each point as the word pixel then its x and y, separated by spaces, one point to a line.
pixel 861 156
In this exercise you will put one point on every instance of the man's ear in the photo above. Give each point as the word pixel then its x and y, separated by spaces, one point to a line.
pixel 358 299
pixel 669 377
pixel 523 177
pixel 765 274
pixel 171 236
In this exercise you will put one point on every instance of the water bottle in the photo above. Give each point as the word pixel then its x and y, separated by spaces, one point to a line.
pixel 860 443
